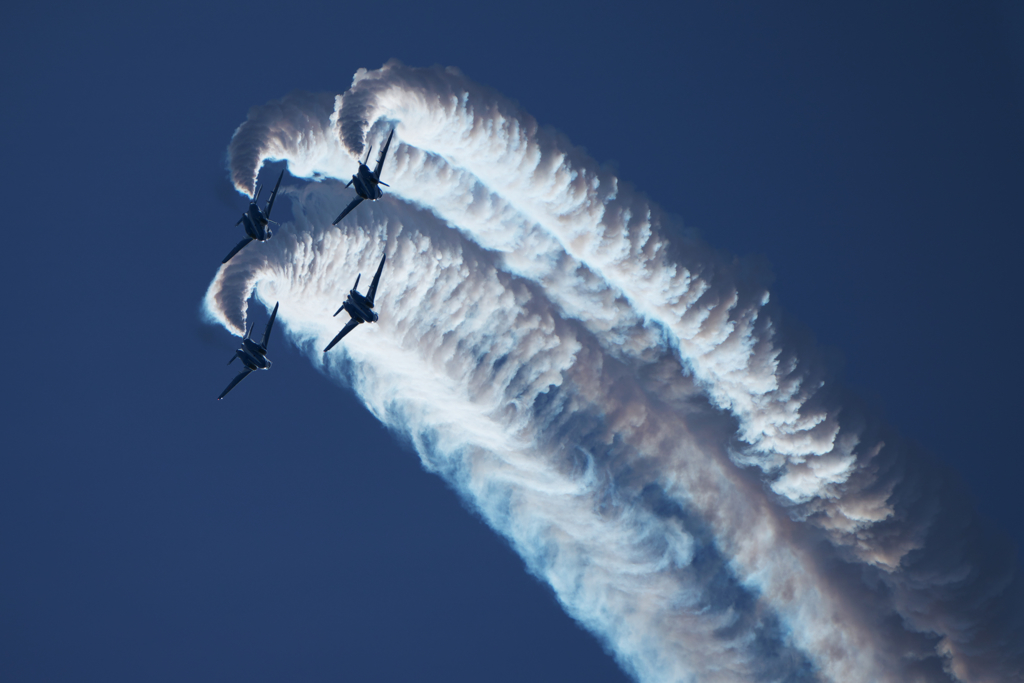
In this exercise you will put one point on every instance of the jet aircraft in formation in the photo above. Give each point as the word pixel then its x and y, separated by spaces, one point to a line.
pixel 257 227
pixel 358 306
pixel 366 182
pixel 253 355
pixel 257 223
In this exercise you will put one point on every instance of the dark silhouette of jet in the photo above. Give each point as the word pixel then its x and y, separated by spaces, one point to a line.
pixel 253 355
pixel 358 306
pixel 366 182
pixel 257 223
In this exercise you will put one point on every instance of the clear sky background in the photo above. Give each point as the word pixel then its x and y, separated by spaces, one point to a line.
pixel 872 155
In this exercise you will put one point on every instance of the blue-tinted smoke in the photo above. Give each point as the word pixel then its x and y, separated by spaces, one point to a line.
pixel 617 400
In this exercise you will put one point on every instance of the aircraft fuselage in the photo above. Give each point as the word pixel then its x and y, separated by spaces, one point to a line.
pixel 253 356
pixel 365 184
pixel 254 228
pixel 359 308
pixel 257 215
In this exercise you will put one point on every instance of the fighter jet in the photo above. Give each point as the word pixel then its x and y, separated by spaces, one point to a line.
pixel 358 306
pixel 253 355
pixel 257 223
pixel 367 182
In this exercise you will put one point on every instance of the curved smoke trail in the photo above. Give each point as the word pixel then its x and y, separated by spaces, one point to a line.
pixel 616 399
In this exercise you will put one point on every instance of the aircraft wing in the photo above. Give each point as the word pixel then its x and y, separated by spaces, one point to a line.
pixel 353 204
pixel 376 278
pixel 273 196
pixel 238 378
pixel 238 248
pixel 349 326
pixel 380 158
pixel 270 324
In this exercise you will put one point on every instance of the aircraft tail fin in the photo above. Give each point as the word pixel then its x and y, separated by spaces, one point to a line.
pixel 372 291
pixel 273 196
pixel 270 325
pixel 383 155
pixel 233 359
pixel 250 330
pixel 259 188
pixel 367 155
pixel 355 287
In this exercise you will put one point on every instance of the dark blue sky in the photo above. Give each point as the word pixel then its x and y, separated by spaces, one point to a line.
pixel 873 155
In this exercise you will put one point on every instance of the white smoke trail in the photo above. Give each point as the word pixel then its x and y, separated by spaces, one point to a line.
pixel 551 357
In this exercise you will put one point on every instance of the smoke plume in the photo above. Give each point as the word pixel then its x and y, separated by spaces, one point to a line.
pixel 618 399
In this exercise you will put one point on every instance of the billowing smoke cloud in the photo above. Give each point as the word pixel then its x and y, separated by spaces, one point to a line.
pixel 618 400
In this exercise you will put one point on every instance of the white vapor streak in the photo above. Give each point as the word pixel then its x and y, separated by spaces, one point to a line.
pixel 550 356
pixel 436 372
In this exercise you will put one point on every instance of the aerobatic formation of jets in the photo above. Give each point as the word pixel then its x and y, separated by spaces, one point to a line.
pixel 257 227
